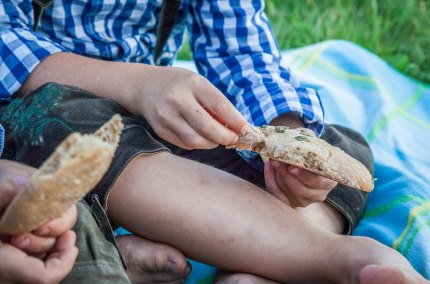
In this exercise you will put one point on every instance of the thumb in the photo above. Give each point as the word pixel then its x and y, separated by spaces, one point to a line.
pixel 10 187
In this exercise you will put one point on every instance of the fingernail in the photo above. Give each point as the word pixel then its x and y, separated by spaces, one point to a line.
pixel 171 267
pixel 294 170
pixel 236 138
pixel 275 164
pixel 43 232
pixel 20 181
pixel 24 243
pixel 188 270
pixel 244 129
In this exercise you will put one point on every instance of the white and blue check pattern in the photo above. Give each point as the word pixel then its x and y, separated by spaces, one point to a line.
pixel 231 40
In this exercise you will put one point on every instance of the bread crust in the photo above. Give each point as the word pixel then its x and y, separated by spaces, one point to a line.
pixel 75 167
pixel 301 148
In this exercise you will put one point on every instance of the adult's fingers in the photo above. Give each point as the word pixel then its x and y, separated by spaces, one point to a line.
pixel 43 239
pixel 7 192
pixel 13 177
pixel 58 226
pixel 60 262
pixel 9 187
pixel 33 244
pixel 22 268
pixel 18 267
pixel 9 169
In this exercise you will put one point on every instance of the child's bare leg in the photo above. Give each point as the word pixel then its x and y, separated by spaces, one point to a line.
pixel 229 223
pixel 322 215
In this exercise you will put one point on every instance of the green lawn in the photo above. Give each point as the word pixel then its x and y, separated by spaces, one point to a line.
pixel 396 30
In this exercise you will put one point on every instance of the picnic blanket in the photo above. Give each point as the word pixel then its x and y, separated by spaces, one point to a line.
pixel 392 111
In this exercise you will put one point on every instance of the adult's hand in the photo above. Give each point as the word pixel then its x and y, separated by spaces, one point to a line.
pixel 52 242
pixel 19 267
pixel 44 238
pixel 13 177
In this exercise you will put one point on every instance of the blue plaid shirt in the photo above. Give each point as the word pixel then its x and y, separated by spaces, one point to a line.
pixel 231 41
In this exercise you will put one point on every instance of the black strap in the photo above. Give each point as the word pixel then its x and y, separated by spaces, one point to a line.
pixel 169 12
pixel 38 7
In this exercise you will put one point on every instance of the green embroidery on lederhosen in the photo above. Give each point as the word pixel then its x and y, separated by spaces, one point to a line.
pixel 26 118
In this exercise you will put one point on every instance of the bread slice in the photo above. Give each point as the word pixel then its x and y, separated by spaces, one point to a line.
pixel 75 167
pixel 301 148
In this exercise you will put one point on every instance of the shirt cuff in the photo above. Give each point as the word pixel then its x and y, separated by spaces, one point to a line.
pixel 304 101
pixel 262 109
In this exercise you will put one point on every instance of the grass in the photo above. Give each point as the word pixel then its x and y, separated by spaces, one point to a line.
pixel 396 30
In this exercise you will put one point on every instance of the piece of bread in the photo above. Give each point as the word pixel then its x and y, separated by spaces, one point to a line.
pixel 301 148
pixel 75 167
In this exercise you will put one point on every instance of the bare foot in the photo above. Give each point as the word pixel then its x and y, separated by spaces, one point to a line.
pixel 376 263
pixel 150 262
pixel 240 278
pixel 375 274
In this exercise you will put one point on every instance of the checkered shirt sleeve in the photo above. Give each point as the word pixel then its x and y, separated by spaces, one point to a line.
pixel 234 47
pixel 21 49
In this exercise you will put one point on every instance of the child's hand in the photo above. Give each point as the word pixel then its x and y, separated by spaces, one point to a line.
pixel 295 186
pixel 185 109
